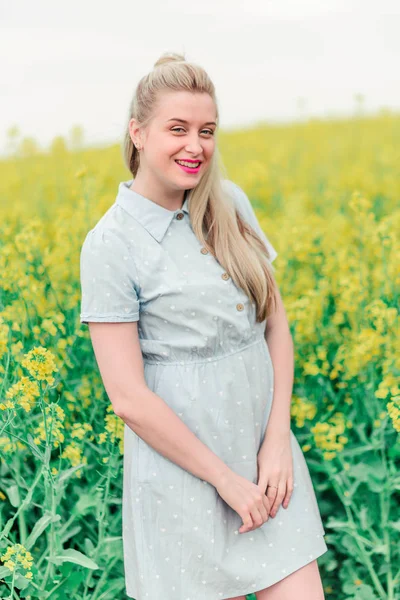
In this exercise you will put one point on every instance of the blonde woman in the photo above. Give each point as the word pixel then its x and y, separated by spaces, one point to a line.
pixel 195 353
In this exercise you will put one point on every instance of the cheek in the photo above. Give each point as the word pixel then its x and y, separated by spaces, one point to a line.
pixel 209 149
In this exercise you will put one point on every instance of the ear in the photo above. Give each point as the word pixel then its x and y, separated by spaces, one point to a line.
pixel 134 132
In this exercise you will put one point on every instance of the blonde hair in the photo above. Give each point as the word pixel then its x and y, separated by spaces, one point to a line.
pixel 215 222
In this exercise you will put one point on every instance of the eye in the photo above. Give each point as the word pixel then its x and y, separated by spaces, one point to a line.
pixel 210 131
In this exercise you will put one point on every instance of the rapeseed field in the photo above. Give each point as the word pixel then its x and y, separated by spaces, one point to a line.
pixel 327 194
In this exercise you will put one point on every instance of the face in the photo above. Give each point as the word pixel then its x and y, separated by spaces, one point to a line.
pixel 182 128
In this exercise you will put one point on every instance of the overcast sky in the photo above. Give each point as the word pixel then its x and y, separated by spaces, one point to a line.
pixel 78 62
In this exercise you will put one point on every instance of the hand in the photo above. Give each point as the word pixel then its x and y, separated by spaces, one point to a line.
pixel 275 469
pixel 246 498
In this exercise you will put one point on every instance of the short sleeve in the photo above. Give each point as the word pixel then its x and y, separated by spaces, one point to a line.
pixel 246 210
pixel 109 285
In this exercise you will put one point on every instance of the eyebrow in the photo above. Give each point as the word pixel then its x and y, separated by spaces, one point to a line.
pixel 186 122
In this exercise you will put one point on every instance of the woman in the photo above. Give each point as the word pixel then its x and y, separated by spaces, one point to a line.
pixel 196 356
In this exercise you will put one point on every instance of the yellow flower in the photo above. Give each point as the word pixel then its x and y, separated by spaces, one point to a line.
pixel 40 363
pixel 80 431
pixel 24 392
pixel 329 436
pixel 51 427
pixel 17 555
pixel 73 453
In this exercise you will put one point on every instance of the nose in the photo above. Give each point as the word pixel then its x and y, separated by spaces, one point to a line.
pixel 193 145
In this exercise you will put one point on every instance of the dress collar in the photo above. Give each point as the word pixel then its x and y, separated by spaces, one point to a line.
pixel 153 217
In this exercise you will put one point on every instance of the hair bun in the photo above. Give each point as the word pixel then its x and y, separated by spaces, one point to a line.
pixel 168 57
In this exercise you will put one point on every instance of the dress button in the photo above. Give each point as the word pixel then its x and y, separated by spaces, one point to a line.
pixel 179 216
pixel 204 251
pixel 240 306
pixel 225 276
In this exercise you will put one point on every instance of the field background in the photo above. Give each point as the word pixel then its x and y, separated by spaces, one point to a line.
pixel 327 194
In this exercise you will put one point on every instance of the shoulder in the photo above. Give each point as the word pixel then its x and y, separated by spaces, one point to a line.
pixel 238 196
pixel 102 241
pixel 231 188
pixel 106 250
pixel 108 236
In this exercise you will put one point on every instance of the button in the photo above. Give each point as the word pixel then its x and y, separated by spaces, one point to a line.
pixel 225 276
pixel 179 215
pixel 240 306
pixel 204 251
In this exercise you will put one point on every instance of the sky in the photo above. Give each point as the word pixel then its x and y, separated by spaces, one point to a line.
pixel 78 62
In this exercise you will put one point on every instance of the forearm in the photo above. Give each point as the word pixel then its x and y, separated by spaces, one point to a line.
pixel 159 426
pixel 280 344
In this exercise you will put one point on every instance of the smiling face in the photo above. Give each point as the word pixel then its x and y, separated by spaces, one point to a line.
pixel 183 127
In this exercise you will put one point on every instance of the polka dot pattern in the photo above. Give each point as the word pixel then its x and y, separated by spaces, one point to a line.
pixel 207 358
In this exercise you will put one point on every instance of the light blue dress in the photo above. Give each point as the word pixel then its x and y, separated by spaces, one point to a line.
pixel 207 358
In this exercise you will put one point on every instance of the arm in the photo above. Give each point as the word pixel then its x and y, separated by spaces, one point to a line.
pixel 275 461
pixel 110 306
pixel 119 358
pixel 280 344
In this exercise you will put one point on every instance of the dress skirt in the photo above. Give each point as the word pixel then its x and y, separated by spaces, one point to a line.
pixel 181 539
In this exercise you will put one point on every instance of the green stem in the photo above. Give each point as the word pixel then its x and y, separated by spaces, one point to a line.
pixel 368 563
pixel 101 526
pixel 5 376
pixel 50 535
pixel 27 500
pixel 12 585
pixel 21 517
pixel 384 498
pixel 55 588
pixel 103 577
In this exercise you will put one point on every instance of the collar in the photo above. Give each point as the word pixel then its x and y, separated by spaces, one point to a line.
pixel 153 217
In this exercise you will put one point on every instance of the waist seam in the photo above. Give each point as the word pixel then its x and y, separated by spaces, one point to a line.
pixel 210 359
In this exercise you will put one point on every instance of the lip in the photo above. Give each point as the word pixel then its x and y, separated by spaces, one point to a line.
pixel 190 170
pixel 189 160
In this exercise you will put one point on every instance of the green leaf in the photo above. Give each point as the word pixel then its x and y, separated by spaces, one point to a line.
pixel 64 475
pixel 4 572
pixel 21 582
pixel 380 549
pixel 365 593
pixel 351 546
pixel 70 533
pixel 375 485
pixel 39 528
pixel 85 502
pixel 395 525
pixel 76 557
pixel 89 546
pixel 337 524
pixel 35 450
pixel 364 517
pixel 13 495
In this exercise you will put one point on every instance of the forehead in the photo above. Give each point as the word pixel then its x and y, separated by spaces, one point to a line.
pixel 191 106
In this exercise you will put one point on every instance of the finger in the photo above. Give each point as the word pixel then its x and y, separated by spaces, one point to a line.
pixel 279 497
pixel 267 504
pixel 247 523
pixel 257 518
pixel 289 491
pixel 272 493
pixel 263 507
pixel 264 510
